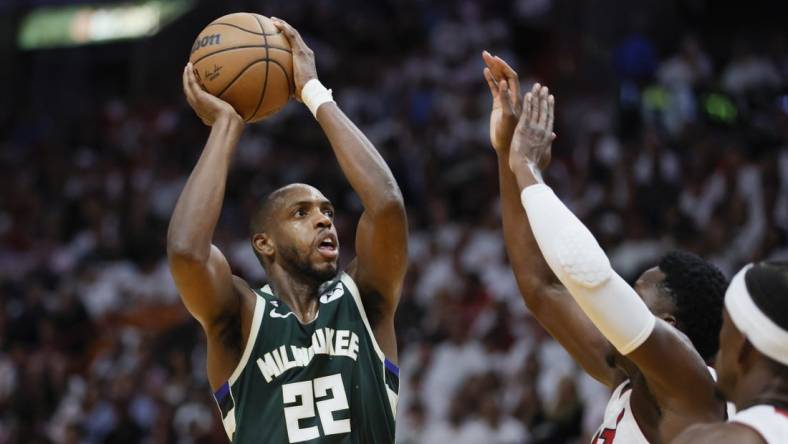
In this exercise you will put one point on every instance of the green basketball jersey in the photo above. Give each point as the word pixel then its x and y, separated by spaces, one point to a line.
pixel 322 382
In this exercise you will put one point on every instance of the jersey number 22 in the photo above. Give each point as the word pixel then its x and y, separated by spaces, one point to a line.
pixel 308 391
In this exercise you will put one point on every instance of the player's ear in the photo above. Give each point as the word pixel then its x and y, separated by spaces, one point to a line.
pixel 263 244
pixel 747 354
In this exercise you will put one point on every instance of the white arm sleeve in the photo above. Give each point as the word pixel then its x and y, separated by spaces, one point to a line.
pixel 578 261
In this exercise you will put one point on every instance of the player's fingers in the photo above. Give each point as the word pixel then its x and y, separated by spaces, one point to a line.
pixel 491 82
pixel 188 87
pixel 194 86
pixel 543 107
pixel 550 114
pixel 290 32
pixel 185 82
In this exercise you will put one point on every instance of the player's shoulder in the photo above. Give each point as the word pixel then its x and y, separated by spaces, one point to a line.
pixel 719 433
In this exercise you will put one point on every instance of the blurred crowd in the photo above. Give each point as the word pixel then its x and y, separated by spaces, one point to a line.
pixel 666 141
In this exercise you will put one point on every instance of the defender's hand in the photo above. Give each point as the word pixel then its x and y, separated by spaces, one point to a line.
pixel 207 106
pixel 506 108
pixel 533 137
pixel 304 68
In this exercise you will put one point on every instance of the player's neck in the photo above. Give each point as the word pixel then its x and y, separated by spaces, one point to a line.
pixel 298 292
pixel 762 386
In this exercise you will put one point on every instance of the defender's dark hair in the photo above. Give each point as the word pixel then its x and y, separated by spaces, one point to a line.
pixel 767 283
pixel 698 291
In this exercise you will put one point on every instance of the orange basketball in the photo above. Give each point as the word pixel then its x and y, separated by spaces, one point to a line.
pixel 245 60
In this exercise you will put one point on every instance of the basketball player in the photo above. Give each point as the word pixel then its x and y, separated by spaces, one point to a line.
pixel 663 330
pixel 310 356
pixel 753 360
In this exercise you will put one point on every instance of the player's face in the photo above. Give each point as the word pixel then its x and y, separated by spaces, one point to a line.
pixel 727 363
pixel 648 287
pixel 305 236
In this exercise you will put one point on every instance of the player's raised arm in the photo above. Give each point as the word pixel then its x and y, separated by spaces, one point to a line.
pixel 542 292
pixel 382 233
pixel 201 272
pixel 674 371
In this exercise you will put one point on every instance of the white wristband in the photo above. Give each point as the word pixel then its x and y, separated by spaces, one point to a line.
pixel 314 94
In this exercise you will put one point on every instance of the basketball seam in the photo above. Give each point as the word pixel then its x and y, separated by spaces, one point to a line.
pixel 284 71
pixel 282 68
pixel 239 75
pixel 238 47
pixel 265 82
pixel 244 29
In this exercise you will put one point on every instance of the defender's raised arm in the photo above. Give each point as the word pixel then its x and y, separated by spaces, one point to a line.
pixel 675 374
pixel 545 296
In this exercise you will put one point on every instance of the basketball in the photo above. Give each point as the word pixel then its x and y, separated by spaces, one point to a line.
pixel 245 60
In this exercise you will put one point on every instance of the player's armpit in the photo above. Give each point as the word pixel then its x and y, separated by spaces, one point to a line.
pixel 719 433
pixel 676 375
pixel 380 266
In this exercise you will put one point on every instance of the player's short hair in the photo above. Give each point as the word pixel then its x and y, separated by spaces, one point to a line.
pixel 697 288
pixel 266 207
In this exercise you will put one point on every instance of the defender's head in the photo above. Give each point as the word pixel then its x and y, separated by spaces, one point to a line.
pixel 293 227
pixel 687 292
pixel 754 329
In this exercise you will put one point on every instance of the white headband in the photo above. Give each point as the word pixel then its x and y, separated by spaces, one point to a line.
pixel 766 336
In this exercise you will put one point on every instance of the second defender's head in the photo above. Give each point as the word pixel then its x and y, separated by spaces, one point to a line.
pixel 293 227
pixel 687 292
pixel 754 336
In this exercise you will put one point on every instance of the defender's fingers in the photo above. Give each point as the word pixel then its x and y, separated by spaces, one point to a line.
pixel 511 76
pixel 534 117
pixel 543 107
pixel 527 107
pixel 522 122
pixel 550 114
pixel 491 82
pixel 503 88
pixel 487 58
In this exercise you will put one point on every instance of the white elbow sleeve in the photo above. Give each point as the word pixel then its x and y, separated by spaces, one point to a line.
pixel 581 265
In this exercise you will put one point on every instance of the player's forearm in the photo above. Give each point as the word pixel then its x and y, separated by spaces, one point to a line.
pixel 530 268
pixel 581 265
pixel 364 167
pixel 199 205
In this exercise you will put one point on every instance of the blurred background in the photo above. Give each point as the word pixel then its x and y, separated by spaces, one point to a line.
pixel 671 123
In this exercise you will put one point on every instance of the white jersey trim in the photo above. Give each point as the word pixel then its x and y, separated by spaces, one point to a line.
pixel 257 320
pixel 766 420
pixel 351 285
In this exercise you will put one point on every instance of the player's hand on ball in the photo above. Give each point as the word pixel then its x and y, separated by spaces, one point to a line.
pixel 207 106
pixel 506 108
pixel 304 68
pixel 533 137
